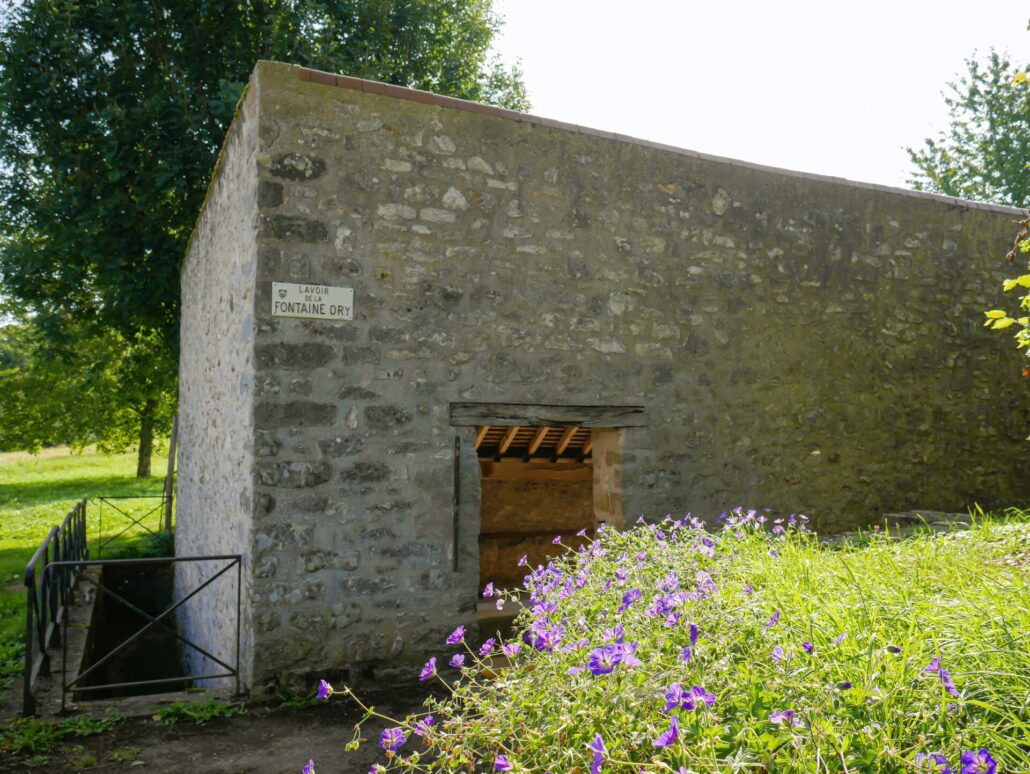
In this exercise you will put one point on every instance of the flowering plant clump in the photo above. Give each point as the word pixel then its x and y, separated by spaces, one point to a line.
pixel 669 648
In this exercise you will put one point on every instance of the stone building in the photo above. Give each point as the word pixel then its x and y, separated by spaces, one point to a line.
pixel 422 337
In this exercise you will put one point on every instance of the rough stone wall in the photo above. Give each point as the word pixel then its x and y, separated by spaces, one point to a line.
pixel 799 343
pixel 216 395
pixel 528 506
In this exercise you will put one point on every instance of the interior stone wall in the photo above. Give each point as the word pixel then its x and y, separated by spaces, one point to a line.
pixel 529 506
pixel 799 343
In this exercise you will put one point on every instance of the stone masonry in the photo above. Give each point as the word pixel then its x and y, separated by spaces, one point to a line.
pixel 801 343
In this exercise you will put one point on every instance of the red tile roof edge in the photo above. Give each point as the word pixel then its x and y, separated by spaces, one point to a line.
pixel 430 98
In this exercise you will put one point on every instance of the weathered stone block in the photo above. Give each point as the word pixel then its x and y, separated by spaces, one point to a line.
pixel 344 446
pixel 294 228
pixel 293 475
pixel 311 354
pixel 297 166
pixel 299 413
pixel 270 194
pixel 385 417
pixel 368 472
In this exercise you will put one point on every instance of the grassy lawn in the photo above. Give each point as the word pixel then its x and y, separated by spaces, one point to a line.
pixel 36 491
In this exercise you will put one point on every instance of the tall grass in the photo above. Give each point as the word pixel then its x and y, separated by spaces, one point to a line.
pixel 860 658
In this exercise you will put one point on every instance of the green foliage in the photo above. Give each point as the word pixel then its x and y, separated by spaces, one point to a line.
pixel 843 638
pixel 88 390
pixel 32 735
pixel 112 113
pixel 199 712
pixel 982 155
pixel 292 700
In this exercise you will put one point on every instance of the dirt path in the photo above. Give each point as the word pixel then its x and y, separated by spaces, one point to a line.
pixel 266 739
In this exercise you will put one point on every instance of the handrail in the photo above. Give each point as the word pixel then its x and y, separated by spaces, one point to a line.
pixel 48 596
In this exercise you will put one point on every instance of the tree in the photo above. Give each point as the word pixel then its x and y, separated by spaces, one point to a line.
pixel 982 155
pixel 998 319
pixel 40 380
pixel 111 116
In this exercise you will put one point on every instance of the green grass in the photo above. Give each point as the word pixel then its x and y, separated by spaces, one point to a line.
pixel 843 636
pixel 36 491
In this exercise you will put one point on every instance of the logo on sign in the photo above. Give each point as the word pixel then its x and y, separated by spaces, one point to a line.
pixel 282 293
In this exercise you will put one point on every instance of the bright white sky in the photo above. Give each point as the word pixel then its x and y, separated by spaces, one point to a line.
pixel 832 87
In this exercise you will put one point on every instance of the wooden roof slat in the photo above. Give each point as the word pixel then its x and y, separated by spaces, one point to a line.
pixel 566 438
pixel 480 435
pixel 506 441
pixel 538 438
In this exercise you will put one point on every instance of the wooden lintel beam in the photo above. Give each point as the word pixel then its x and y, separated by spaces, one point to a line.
pixel 536 415
pixel 509 436
pixel 538 439
pixel 566 437
pixel 480 435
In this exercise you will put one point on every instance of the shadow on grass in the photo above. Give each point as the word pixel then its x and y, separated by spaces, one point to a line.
pixel 33 494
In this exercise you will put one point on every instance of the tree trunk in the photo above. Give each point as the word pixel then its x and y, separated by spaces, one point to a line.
pixel 146 438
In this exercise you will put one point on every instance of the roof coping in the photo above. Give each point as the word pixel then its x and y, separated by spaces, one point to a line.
pixel 454 103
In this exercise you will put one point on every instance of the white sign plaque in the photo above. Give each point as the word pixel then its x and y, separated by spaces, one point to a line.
pixel 316 302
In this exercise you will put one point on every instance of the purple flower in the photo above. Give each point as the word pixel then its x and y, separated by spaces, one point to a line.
pixel 501 763
pixel 616 633
pixel 672 619
pixel 934 762
pixel 629 598
pixel 458 660
pixel 392 739
pixel 488 591
pixel 773 554
pixel 524 560
pixel 582 532
pixel 845 686
pixel 748 589
pixel 423 726
pixel 840 638
pixel 933 667
pixel 978 763
pixel 324 690
pixel 512 649
pixel 309 768
pixel 893 649
pixel 600 754
pixel 456 636
pixel 603 661
pixel 487 646
pixel 686 655
pixel 778 655
pixel 808 647
pixel 673 697
pixel 948 685
pixel 556 541
pixel 697 697
pixel 784 717
pixel 693 634
pixel 428 670
pixel 773 620
pixel 671 736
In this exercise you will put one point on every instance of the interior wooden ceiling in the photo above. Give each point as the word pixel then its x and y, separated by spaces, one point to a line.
pixel 533 444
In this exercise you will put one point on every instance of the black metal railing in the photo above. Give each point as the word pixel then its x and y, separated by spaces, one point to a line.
pixel 49 594
pixel 78 685
pixel 119 508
